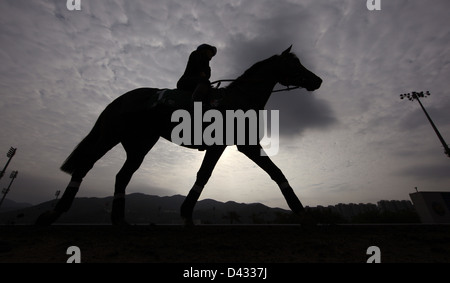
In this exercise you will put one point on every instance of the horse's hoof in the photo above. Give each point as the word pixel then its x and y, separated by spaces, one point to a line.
pixel 307 220
pixel 188 222
pixel 298 209
pixel 47 218
pixel 187 218
pixel 120 222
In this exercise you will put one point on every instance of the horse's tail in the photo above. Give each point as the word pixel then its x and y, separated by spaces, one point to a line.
pixel 82 150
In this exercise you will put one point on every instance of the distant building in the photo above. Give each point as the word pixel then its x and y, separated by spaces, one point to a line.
pixel 432 207
pixel 394 205
pixel 350 210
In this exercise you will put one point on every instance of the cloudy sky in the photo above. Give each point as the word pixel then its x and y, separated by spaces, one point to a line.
pixel 353 140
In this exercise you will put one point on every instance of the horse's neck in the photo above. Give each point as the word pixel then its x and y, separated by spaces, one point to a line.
pixel 251 92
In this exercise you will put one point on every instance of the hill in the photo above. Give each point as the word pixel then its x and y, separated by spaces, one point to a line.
pixel 148 209
pixel 9 205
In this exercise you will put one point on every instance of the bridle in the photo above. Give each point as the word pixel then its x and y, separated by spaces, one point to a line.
pixel 288 88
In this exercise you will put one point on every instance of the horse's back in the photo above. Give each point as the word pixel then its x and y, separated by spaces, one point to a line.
pixel 134 101
pixel 142 99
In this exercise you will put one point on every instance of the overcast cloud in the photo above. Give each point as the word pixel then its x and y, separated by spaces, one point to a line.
pixel 353 140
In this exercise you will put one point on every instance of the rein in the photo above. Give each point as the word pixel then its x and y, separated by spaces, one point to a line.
pixel 288 88
pixel 219 82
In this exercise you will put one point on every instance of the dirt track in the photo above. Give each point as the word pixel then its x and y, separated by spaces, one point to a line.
pixel 226 244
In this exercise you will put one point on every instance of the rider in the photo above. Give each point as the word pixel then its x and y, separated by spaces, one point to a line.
pixel 198 72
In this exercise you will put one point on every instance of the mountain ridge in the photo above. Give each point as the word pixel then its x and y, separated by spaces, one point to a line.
pixel 148 209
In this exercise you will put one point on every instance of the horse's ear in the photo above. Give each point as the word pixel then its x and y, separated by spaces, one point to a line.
pixel 287 50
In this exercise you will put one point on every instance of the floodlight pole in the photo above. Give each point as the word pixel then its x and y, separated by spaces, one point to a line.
pixel 6 191
pixel 444 144
pixel 415 96
pixel 10 154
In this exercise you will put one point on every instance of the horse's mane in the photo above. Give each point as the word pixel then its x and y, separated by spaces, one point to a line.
pixel 257 66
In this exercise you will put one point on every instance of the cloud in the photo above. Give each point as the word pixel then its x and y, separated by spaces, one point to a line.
pixel 300 111
pixel 433 172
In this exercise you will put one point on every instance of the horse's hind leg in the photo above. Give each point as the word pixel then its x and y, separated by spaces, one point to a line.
pixel 212 155
pixel 135 156
pixel 254 153
pixel 63 205
pixel 70 192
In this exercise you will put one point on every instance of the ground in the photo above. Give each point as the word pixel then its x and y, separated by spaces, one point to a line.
pixel 226 244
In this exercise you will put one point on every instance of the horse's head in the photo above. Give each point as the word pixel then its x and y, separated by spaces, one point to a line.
pixel 291 72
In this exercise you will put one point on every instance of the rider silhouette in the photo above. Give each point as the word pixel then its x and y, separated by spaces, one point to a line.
pixel 198 72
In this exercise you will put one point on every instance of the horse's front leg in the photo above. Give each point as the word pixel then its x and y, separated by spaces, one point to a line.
pixel 254 153
pixel 212 155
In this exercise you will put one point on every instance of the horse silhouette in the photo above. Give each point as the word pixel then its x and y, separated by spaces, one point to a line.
pixel 130 121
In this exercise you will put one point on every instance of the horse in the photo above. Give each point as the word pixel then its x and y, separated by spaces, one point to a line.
pixel 127 120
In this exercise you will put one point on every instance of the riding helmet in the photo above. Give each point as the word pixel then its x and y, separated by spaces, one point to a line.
pixel 209 47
